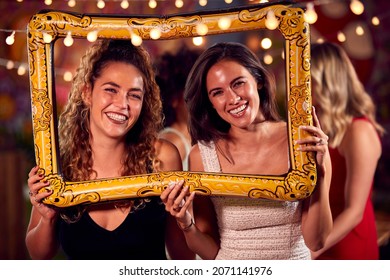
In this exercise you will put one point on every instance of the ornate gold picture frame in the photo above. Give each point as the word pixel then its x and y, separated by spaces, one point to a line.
pixel 297 184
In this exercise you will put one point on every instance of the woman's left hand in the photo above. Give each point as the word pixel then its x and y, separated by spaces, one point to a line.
pixel 317 141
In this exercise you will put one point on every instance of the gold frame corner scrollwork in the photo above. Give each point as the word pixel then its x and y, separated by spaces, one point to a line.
pixel 298 183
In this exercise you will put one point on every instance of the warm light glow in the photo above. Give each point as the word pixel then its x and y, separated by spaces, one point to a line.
pixel 152 4
pixel 72 3
pixel 359 30
pixel 202 3
pixel 271 21
pixel 268 59
pixel 310 14
pixel 10 65
pixel 282 54
pixel 266 43
pixel 320 40
pixel 68 41
pixel 155 33
pixel 101 4
pixel 68 76
pixel 356 7
pixel 341 36
pixel 263 1
pixel 179 3
pixel 375 21
pixel 124 4
pixel 21 70
pixel 228 1
pixel 47 38
pixel 136 40
pixel 48 2
pixel 197 41
pixel 224 23
pixel 10 40
pixel 202 29
pixel 92 36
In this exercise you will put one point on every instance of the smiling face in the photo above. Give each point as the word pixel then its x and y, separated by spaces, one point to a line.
pixel 115 101
pixel 233 92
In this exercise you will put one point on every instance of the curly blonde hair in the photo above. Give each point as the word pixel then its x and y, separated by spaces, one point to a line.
pixel 339 94
pixel 74 127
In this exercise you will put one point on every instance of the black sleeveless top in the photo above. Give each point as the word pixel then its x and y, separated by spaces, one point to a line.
pixel 140 237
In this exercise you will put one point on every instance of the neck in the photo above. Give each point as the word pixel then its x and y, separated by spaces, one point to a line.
pixel 107 159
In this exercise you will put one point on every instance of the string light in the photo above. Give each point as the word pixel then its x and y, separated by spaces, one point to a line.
pixel 152 4
pixel 268 59
pixel 71 3
pixel 10 40
pixel 356 7
pixel 101 4
pixel 202 3
pixel 125 4
pixel 197 41
pixel 21 70
pixel 271 22
pixel 375 21
pixel 47 38
pixel 179 3
pixel 92 36
pixel 68 41
pixel 359 30
pixel 228 1
pixel 224 23
pixel 155 33
pixel 135 39
pixel 10 65
pixel 48 2
pixel 310 14
pixel 202 29
pixel 341 37
pixel 266 43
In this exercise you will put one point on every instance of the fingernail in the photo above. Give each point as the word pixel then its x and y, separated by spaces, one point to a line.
pixel 171 185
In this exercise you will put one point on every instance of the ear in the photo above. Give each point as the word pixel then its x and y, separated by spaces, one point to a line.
pixel 86 94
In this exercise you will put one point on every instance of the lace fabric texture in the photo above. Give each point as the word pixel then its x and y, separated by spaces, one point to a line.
pixel 255 228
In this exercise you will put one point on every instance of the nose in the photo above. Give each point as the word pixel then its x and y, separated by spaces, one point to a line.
pixel 233 97
pixel 121 100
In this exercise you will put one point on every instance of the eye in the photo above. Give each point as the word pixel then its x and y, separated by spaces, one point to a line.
pixel 137 95
pixel 111 90
pixel 216 92
pixel 239 83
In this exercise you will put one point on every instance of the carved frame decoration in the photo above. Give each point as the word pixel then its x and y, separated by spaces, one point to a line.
pixel 298 183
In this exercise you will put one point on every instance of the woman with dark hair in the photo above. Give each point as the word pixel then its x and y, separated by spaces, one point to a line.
pixel 109 128
pixel 235 128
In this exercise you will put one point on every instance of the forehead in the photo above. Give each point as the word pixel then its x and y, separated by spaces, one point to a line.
pixel 122 73
pixel 225 71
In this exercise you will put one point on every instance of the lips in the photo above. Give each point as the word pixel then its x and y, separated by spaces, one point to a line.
pixel 117 117
pixel 239 110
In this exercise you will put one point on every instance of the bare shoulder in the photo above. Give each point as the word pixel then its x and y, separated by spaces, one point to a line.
pixel 168 155
pixel 195 159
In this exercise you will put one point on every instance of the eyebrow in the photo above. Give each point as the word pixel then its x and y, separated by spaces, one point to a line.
pixel 118 86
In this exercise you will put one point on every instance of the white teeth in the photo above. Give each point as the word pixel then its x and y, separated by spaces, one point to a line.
pixel 116 117
pixel 238 110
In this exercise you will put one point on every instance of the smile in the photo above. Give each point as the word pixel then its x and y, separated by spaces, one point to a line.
pixel 238 110
pixel 117 117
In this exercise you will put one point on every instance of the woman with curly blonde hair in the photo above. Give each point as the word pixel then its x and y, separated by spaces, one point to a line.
pixel 109 128
pixel 347 116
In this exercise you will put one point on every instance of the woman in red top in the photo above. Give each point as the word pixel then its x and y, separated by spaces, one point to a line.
pixel 347 116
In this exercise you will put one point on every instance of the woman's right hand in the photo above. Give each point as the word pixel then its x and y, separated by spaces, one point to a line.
pixel 178 202
pixel 35 185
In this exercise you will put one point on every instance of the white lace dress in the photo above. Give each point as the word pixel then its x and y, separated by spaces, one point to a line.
pixel 255 228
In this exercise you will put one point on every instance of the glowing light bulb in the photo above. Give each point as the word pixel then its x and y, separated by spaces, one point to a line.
pixel 197 41
pixel 228 1
pixel 359 30
pixel 320 40
pixel 10 65
pixel 179 3
pixel 356 7
pixel 136 40
pixel 375 21
pixel 202 29
pixel 92 36
pixel 155 33
pixel 47 38
pixel 48 2
pixel 72 3
pixel 268 59
pixel 266 43
pixel 125 4
pixel 101 4
pixel 341 36
pixel 68 41
pixel 68 76
pixel 224 23
pixel 271 21
pixel 310 14
pixel 263 1
pixel 202 3
pixel 21 70
pixel 152 4
pixel 10 40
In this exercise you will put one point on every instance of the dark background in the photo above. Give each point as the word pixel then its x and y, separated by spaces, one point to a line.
pixel 369 53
